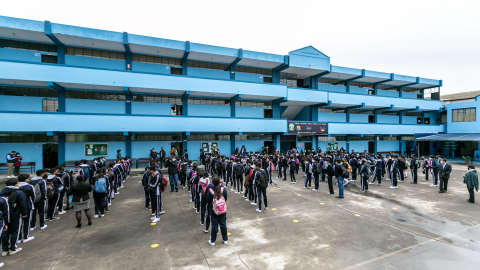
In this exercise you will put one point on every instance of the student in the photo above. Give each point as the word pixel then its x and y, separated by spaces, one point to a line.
pixel 434 170
pixel 172 173
pixel 4 218
pixel 377 171
pixel 76 171
pixel 269 169
pixel 279 167
pixel 284 166
pixel 217 197
pixel 81 200
pixel 238 171
pixel 394 171
pixel 145 178
pixel 261 182
pixel 308 173
pixel 18 209
pixel 354 164
pixel 364 171
pixel 203 182
pixel 444 171
pixel 339 177
pixel 293 167
pixel 183 173
pixel 249 175
pixel 17 164
pixel 99 192
pixel 119 154
pixel 229 173
pixel 471 180
pixel 330 172
pixel 414 168
pixel 38 182
pixel 109 179
pixel 196 190
pixel 29 192
pixel 155 185
pixel 389 168
pixel 54 184
pixel 62 177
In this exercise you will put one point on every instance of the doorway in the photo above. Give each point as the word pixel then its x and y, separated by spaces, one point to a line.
pixel 269 146
pixel 178 146
pixel 371 147
pixel 50 155
pixel 308 146
pixel 267 113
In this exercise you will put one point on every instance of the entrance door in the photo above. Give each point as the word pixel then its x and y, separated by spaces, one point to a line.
pixel 178 146
pixel 371 147
pixel 269 145
pixel 308 146
pixel 50 155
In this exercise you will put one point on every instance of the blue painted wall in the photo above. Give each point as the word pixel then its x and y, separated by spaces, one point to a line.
pixel 386 93
pixel 15 103
pixel 250 145
pixel 209 110
pixel 31 152
pixel 81 61
pixel 248 77
pixel 332 117
pixel 142 149
pixel 94 106
pixel 358 146
pixel 75 151
pixel 250 112
pixel 150 68
pixel 21 55
pixel 151 108
pixel 463 127
pixel 208 73
pixel 384 146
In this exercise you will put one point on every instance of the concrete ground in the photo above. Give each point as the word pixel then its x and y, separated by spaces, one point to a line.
pixel 412 227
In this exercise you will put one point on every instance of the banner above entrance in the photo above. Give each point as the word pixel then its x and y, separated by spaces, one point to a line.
pixel 301 128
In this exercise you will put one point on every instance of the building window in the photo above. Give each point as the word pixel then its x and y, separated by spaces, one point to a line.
pixel 176 71
pixel 328 110
pixel 176 109
pixel 50 59
pixel 416 114
pixel 29 46
pixel 464 115
pixel 443 117
pixel 364 138
pixel 249 137
pixel 158 137
pixel 207 65
pixel 49 105
pixel 28 92
pixel 252 70
pixel 371 119
pixel 355 111
pixel 267 79
pixel 331 139
pixel 208 137
pixel 94 138
pixel 209 101
pixel 393 138
pixel 330 81
pixel 26 138
pixel 94 95
pixel 156 99
pixel 156 60
pixel 95 53
pixel 256 104
pixel 361 84
pixel 290 79
pixel 388 113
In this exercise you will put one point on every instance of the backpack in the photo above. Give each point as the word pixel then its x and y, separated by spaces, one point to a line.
pixel 223 165
pixel 189 173
pixel 38 193
pixel 75 174
pixel 164 184
pixel 344 171
pixel 100 185
pixel 86 170
pixel 401 163
pixel 51 190
pixel 263 181
pixel 12 201
pixel 219 205
pixel 349 169
pixel 250 175
pixel 204 185
pixel 183 169
pixel 238 169
pixel 316 168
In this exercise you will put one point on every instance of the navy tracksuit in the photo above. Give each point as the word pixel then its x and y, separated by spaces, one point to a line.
pixel 145 178
pixel 155 193
pixel 16 212
pixel 30 193
pixel 40 205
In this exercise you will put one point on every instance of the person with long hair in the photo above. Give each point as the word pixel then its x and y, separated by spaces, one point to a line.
pixel 216 196
pixel 81 200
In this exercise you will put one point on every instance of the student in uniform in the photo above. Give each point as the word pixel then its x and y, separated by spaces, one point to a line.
pixel 4 218
pixel 308 173
pixel 292 167
pixel 394 171
pixel 99 196
pixel 364 176
pixel 62 177
pixel 53 180
pixel 377 171
pixel 414 168
pixel 434 170
pixel 330 172
pixel 17 211
pixel 339 178
pixel 30 200
pixel 40 205
pixel 354 164
pixel 217 192
pixel 238 171
pixel 208 204
pixel 202 183
pixel 145 178
pixel 155 186
pixel 261 182
pixel 229 173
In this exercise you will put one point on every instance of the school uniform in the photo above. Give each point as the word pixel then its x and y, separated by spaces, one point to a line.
pixel 389 169
pixel 206 207
pixel 354 164
pixel 394 172
pixel 269 172
pixel 413 169
pixel 10 236
pixel 292 166
pixel 238 171
pixel 330 172
pixel 154 183
pixel 316 164
pixel 434 171
pixel 41 204
pixel 229 172
pixel 53 202
pixel 377 172
pixel 30 204
pixel 99 198
pixel 217 220
pixel 260 190
pixel 364 177
pixel 202 199
pixel 308 172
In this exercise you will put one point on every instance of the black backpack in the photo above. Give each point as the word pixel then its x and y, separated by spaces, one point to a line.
pixel 263 181
pixel 223 165
pixel 401 163
pixel 183 168
pixel 238 169
pixel 316 168
pixel 344 173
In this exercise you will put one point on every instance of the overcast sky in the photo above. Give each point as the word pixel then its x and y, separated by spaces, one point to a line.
pixel 431 39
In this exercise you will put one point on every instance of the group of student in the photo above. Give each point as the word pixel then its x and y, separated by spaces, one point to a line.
pixel 54 191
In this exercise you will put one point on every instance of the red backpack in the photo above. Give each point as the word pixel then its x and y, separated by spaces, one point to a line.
pixel 250 175
pixel 204 185
pixel 164 183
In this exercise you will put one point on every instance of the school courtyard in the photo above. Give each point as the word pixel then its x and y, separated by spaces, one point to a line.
pixel 412 227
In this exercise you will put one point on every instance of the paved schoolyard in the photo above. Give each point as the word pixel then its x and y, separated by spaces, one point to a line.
pixel 412 227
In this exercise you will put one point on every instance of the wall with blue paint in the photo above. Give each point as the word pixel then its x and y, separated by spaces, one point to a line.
pixel 142 149
pixel 463 127
pixel 384 146
pixel 81 61
pixel 387 93
pixel 30 152
pixel 16 103
pixel 21 55
pixel 332 117
pixel 209 110
pixel 358 146
pixel 248 77
pixel 359 118
pixel 208 73
pixel 387 119
pixel 250 112
pixel 151 108
pixel 194 149
pixel 76 150
pixel 94 106
pixel 250 145
pixel 151 68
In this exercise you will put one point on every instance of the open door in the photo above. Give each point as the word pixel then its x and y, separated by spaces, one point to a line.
pixel 371 147
pixel 50 155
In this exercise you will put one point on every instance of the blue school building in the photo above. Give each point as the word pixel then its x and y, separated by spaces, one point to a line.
pixel 70 93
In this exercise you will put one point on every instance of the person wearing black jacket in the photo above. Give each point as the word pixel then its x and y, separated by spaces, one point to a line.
pixel 161 157
pixel 153 154
pixel 171 164
pixel 18 210
pixel 30 200
pixel 339 177
pixel 330 172
pixel 434 168
pixel 229 172
pixel 217 191
pixel 377 171
pixel 413 168
pixel 292 166
pixel 54 180
pixel 155 186
pixel 81 200
pixel 4 217
pixel 145 177
pixel 394 171
pixel 284 166
pixel 42 203
pixel 354 164
pixel 444 173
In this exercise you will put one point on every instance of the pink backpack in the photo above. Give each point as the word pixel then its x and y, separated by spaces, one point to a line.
pixel 272 168
pixel 204 185
pixel 219 205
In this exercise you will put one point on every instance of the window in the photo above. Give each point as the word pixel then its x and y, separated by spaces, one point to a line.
pixel 426 120
pixel 209 101
pixel 355 111
pixel 393 138
pixel 51 59
pixel 29 46
pixel 290 79
pixel 364 138
pixel 94 138
pixel 49 105
pixel 328 110
pixel 330 81
pixel 464 115
pixel 361 84
pixel 26 138
pixel 417 114
pixel 443 117
pixel 331 139
pixel 95 95
pixel 371 119
pixel 267 80
pixel 207 65
pixel 156 99
pixel 389 113
pixel 28 92
pixel 208 137
pixel 253 70
pixel 256 104
pixel 176 109
pixel 157 137
pixel 95 53
pixel 248 137
pixel 176 71
pixel 156 60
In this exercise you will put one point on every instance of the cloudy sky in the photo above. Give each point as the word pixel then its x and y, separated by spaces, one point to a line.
pixel 431 39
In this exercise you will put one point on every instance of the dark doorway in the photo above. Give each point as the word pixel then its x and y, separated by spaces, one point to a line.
pixel 287 142
pixel 269 145
pixel 371 119
pixel 371 147
pixel 267 113
pixel 178 146
pixel 50 155
pixel 308 146
pixel 426 148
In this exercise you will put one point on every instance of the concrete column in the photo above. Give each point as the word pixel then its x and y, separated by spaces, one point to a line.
pixel 348 144
pixel 128 144
pixel 61 148
pixel 375 143
pixel 61 100
pixel 315 142
pixel 276 142
pixel 184 142
pixel 128 103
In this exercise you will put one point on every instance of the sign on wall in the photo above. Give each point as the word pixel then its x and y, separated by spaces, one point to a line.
pixel 476 155
pixel 208 147
pixel 332 146
pixel 298 128
pixel 96 149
